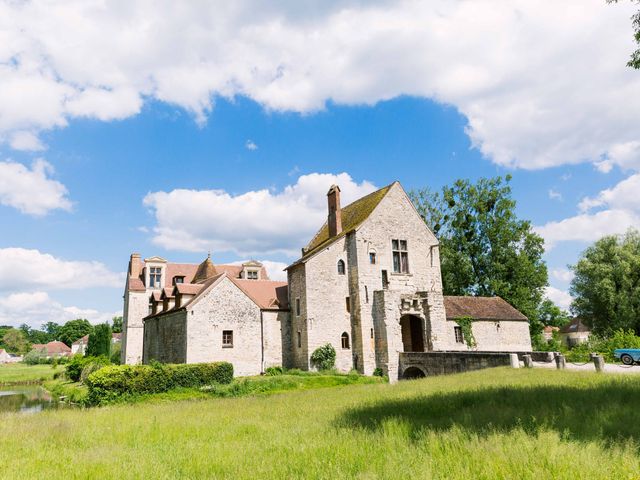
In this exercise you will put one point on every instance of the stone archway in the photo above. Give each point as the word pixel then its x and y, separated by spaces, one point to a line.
pixel 412 333
pixel 412 373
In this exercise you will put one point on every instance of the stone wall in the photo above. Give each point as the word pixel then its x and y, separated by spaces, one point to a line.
pixel 298 356
pixel 276 338
pixel 440 363
pixel 165 338
pixel 225 307
pixel 136 307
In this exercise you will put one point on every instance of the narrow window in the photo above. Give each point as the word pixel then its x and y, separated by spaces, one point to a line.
pixel 348 304
pixel 458 333
pixel 155 277
pixel 297 307
pixel 372 333
pixel 345 340
pixel 400 256
pixel 227 338
pixel 372 258
pixel 385 280
pixel 340 267
pixel 366 294
pixel 299 339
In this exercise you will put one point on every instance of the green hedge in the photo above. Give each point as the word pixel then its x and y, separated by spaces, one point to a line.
pixel 117 382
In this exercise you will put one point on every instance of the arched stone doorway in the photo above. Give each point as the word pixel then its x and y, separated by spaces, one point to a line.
pixel 412 372
pixel 412 333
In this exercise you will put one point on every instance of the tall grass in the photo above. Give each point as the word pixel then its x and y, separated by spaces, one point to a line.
pixel 22 373
pixel 498 423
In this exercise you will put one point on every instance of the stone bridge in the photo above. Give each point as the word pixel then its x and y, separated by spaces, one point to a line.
pixel 425 364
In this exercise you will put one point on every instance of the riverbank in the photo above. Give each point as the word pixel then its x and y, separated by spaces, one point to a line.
pixel 22 374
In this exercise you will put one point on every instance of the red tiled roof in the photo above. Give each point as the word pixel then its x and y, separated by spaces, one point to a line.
pixel 52 348
pixel 82 341
pixel 480 308
pixel 188 288
pixel 267 294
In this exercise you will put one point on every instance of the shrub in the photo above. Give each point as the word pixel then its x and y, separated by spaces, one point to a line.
pixel 117 382
pixel 115 353
pixel 75 366
pixel 324 357
pixel 273 371
pixel 92 365
pixel 378 372
pixel 32 358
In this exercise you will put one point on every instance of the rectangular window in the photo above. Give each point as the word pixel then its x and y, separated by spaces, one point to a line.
pixel 348 304
pixel 385 280
pixel 372 258
pixel 252 274
pixel 372 333
pixel 458 333
pixel 299 339
pixel 155 277
pixel 400 256
pixel 366 294
pixel 227 338
pixel 297 307
pixel 177 280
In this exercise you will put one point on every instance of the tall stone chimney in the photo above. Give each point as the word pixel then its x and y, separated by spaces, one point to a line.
pixel 335 213
pixel 135 265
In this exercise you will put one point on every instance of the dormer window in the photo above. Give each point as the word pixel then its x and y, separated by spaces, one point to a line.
pixel 177 280
pixel 155 277
pixel 252 275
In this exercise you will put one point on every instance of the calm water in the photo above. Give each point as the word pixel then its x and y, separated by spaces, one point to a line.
pixel 26 399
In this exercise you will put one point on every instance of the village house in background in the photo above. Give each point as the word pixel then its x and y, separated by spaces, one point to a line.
pixel 574 333
pixel 80 345
pixel 52 349
pixel 6 357
pixel 368 283
pixel 548 331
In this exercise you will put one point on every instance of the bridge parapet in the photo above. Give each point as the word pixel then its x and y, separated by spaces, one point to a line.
pixel 421 364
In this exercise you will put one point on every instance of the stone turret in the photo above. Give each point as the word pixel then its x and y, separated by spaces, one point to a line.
pixel 334 220
pixel 205 271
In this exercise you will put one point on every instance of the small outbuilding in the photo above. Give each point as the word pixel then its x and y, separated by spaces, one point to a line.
pixel 575 332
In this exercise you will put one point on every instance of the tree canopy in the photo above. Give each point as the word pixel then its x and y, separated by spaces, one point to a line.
pixel 117 324
pixel 634 62
pixel 15 341
pixel 99 341
pixel 485 249
pixel 73 330
pixel 606 286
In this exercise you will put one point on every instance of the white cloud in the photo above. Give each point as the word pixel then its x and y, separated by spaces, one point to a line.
pixel 258 222
pixel 250 145
pixel 553 195
pixel 24 269
pixel 26 141
pixel 562 274
pixel 551 87
pixel 37 308
pixel 32 191
pixel 559 297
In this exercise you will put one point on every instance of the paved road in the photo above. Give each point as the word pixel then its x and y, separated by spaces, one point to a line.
pixel 589 367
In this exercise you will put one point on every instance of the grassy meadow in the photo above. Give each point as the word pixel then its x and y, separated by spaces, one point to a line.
pixel 499 423
pixel 13 373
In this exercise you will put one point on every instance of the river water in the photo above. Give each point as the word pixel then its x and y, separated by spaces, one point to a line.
pixel 26 399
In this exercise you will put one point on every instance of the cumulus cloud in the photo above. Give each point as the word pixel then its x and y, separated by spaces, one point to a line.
pixel 250 145
pixel 26 141
pixel 37 308
pixel 260 222
pixel 559 297
pixel 562 274
pixel 525 73
pixel 612 211
pixel 553 195
pixel 24 269
pixel 32 191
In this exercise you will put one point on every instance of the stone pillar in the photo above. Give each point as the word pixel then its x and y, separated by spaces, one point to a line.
pixel 598 362
pixel 514 360
pixel 528 362
pixel 560 362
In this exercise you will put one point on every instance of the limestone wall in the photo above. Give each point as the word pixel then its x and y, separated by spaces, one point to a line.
pixel 298 354
pixel 439 363
pixel 276 338
pixel 165 338
pixel 136 307
pixel 225 307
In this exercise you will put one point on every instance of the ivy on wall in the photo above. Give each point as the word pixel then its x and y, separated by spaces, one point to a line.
pixel 467 333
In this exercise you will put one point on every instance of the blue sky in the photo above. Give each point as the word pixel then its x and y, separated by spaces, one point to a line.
pixel 99 163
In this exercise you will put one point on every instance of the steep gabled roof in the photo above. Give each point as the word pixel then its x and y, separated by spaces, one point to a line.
pixel 353 215
pixel 480 308
pixel 205 271
pixel 267 294
pixel 574 326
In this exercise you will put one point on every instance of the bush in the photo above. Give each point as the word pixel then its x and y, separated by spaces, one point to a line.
pixel 324 357
pixel 115 353
pixel 117 382
pixel 32 358
pixel 75 366
pixel 93 365
pixel 273 371
pixel 378 372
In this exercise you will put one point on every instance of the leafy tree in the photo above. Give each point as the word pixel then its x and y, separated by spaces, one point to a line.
pixel 15 341
pixel 549 314
pixel 99 341
pixel 117 325
pixel 485 249
pixel 35 336
pixel 634 62
pixel 73 330
pixel 52 329
pixel 606 286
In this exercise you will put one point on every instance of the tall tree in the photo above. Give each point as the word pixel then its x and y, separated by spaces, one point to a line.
pixel 634 62
pixel 73 330
pixel 52 329
pixel 606 286
pixel 15 341
pixel 484 248
pixel 99 341
pixel 117 324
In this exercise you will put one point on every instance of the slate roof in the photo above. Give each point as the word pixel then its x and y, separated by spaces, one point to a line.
pixel 353 215
pixel 480 308
pixel 575 326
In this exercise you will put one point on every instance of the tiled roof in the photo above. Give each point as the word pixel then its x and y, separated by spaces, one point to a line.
pixel 575 326
pixel 352 217
pixel 188 288
pixel 480 308
pixel 205 271
pixel 82 341
pixel 52 347
pixel 267 294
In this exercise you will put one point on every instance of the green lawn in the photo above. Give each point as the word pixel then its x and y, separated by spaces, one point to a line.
pixel 498 423
pixel 21 373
